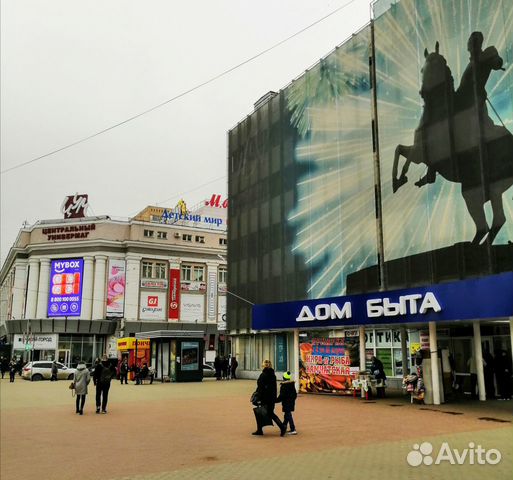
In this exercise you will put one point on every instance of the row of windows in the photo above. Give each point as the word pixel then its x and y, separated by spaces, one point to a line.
pixel 189 273
pixel 186 237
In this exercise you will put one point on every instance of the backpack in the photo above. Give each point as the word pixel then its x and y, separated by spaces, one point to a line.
pixel 105 374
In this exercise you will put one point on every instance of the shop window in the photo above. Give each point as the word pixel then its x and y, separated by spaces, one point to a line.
pixel 148 233
pixel 222 275
pixel 162 235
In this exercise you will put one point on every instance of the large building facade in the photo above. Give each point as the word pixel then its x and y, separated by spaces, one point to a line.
pixel 71 287
pixel 384 170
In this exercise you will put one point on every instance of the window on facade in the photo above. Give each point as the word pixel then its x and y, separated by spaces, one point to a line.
pixel 222 275
pixel 148 233
pixel 162 235
pixel 186 237
pixel 160 270
pixel 147 269
pixel 186 273
pixel 154 269
pixel 198 274
pixel 200 239
pixel 223 241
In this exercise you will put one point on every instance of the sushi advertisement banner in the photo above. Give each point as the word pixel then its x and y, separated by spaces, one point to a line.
pixel 116 288
pixel 325 366
pixel 65 299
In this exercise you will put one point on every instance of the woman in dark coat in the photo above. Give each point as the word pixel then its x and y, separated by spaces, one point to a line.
pixel 267 392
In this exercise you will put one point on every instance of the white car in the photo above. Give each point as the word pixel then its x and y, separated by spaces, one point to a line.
pixel 42 370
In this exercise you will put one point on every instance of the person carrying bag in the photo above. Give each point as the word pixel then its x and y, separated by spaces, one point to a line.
pixel 79 386
pixel 265 396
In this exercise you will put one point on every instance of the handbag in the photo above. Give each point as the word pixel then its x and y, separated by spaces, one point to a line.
pixel 262 416
pixel 72 388
pixel 255 398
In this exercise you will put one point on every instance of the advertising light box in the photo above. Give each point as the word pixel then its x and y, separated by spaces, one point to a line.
pixel 152 306
pixel 65 298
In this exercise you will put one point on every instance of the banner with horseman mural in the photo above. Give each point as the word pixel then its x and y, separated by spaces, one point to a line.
pixel 338 188
pixel 445 113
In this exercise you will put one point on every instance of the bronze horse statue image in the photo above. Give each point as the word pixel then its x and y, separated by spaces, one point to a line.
pixel 458 140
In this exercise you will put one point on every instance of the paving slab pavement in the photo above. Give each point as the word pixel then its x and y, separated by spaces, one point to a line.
pixel 203 431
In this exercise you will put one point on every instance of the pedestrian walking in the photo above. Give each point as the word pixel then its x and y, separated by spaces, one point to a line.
pixel 102 376
pixel 54 372
pixel 225 366
pixel 234 366
pixel 266 395
pixel 123 371
pixel 503 374
pixel 489 373
pixel 378 371
pixel 218 367
pixel 287 398
pixel 12 370
pixel 4 366
pixel 81 380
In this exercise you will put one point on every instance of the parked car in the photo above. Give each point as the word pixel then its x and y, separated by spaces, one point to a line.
pixel 208 370
pixel 42 370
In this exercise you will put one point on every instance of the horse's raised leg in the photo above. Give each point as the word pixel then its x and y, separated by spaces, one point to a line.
pixel 475 207
pixel 397 182
pixel 499 219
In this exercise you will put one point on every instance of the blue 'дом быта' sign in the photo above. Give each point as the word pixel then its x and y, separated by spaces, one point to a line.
pixel 486 297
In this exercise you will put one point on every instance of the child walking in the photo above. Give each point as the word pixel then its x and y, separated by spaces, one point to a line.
pixel 287 397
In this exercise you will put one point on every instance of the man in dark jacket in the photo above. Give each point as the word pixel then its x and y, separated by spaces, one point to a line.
pixel 287 397
pixel 378 371
pixel 103 374
pixel 225 365
pixel 504 375
pixel 266 391
pixel 218 366
pixel 233 367
pixel 123 371
pixel 54 372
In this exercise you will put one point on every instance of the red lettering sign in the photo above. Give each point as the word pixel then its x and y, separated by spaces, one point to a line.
pixel 215 201
pixel 75 206
pixel 153 301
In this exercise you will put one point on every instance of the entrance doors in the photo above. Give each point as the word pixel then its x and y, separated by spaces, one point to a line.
pixel 462 350
pixel 63 356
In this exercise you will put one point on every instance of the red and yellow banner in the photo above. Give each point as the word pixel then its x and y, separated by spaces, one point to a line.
pixel 325 366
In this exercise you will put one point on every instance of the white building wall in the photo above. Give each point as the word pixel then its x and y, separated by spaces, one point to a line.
pixel 19 287
pixel 132 287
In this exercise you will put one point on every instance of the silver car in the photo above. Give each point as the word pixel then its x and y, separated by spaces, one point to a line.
pixel 208 370
pixel 42 370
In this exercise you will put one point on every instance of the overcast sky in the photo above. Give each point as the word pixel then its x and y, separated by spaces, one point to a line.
pixel 71 68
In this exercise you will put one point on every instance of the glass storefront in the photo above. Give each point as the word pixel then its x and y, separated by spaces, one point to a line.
pixel 74 348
